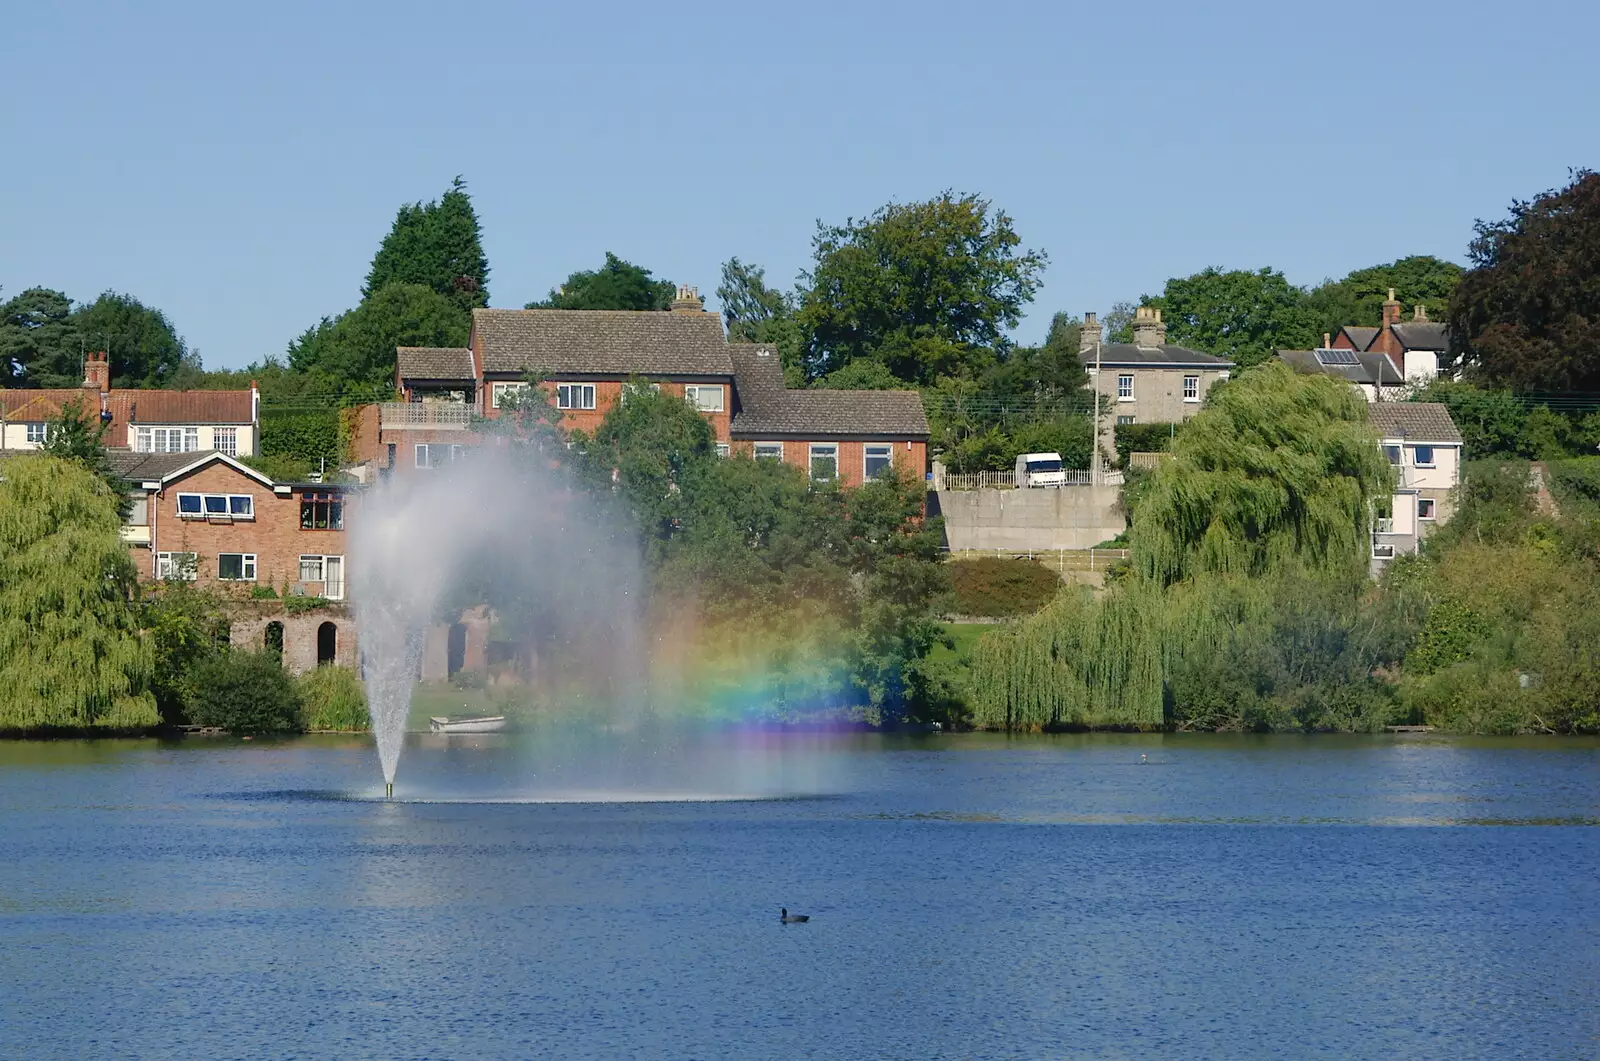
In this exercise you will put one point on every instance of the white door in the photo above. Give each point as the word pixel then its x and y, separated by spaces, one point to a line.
pixel 334 588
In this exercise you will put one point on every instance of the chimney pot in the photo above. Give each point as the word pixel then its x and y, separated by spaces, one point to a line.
pixel 1419 313
pixel 96 372
pixel 1391 310
pixel 688 300
pixel 1148 331
pixel 1327 340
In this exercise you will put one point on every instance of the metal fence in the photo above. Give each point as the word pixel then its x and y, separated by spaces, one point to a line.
pixel 1061 561
pixel 1008 480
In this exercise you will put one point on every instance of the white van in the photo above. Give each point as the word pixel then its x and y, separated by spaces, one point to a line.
pixel 1040 469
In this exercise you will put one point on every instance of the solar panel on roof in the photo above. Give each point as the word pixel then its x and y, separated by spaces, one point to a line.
pixel 1337 357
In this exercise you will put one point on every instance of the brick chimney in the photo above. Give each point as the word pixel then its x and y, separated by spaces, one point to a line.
pixel 1391 310
pixel 1148 331
pixel 688 300
pixel 96 372
pixel 1088 335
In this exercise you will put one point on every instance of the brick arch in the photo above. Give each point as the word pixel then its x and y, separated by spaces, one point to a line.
pixel 249 632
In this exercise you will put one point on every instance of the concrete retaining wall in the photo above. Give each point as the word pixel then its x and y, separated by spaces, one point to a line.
pixel 1069 517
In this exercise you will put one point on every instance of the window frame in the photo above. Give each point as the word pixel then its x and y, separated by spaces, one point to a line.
pixel 41 428
pixel 832 453
pixel 321 560
pixel 756 454
pixel 692 392
pixel 168 561
pixel 1191 388
pixel 144 439
pixel 1395 455
pixel 227 500
pixel 724 449
pixel 225 440
pixel 247 567
pixel 332 504
pixel 1416 457
pixel 1125 420
pixel 887 456
pixel 500 388
pixel 1432 506
pixel 1125 394
pixel 586 393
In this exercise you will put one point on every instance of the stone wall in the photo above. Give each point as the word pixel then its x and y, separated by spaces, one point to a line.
pixel 1069 517
pixel 248 630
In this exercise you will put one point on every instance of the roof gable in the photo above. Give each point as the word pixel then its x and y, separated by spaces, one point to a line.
pixel 453 363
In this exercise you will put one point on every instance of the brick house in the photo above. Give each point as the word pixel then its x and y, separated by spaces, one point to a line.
pixel 1147 381
pixel 586 357
pixel 206 518
pixel 1414 348
pixel 147 421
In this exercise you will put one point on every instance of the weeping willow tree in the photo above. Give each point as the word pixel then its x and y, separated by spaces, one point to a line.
pixel 70 650
pixel 1266 497
pixel 1080 663
pixel 1277 470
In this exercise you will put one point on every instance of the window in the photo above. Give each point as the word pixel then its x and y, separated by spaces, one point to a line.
pixel 1393 454
pixel 1124 420
pixel 1382 551
pixel 707 397
pixel 769 451
pixel 1125 387
pixel 167 439
pixel 139 512
pixel 177 566
pixel 877 460
pixel 225 440
pixel 38 434
pixel 329 570
pixel 722 449
pixel 1425 508
pixel 216 506
pixel 236 567
pixel 437 454
pixel 824 461
pixel 575 396
pixel 499 392
pixel 321 511
pixel 1191 388
pixel 1422 456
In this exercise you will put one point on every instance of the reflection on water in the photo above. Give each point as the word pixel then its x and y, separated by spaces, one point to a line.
pixel 1235 897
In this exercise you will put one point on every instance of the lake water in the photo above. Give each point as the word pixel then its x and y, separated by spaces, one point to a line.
pixel 970 897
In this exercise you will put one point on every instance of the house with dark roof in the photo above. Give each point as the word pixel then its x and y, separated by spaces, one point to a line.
pixel 584 359
pixel 1147 381
pixel 1424 447
pixel 1414 348
pixel 150 421
pixel 1374 375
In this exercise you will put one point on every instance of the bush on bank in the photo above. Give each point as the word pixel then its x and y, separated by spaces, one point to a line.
pixel 244 692
pixel 332 698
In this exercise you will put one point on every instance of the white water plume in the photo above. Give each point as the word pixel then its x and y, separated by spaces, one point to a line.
pixel 497 529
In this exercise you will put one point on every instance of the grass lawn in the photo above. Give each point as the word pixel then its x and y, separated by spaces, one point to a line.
pixel 965 635
pixel 428 700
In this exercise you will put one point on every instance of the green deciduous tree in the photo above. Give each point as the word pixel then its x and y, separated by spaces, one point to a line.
pixel 79 436
pixel 615 285
pixel 143 347
pixel 185 626
pixel 1527 315
pixel 1358 298
pixel 437 245
pixel 1240 315
pixel 929 289
pixel 756 313
pixel 70 650
pixel 358 347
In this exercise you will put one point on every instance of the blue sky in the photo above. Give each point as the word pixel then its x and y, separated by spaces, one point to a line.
pixel 237 165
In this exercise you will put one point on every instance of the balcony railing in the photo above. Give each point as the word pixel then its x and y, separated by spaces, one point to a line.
pixel 1008 480
pixel 425 415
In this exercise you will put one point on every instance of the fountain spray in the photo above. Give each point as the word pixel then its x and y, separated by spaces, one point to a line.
pixel 388 790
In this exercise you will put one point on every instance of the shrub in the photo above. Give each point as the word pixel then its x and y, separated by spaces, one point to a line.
pixel 469 679
pixel 333 698
pixel 1143 438
pixel 996 587
pixel 263 592
pixel 295 605
pixel 244 692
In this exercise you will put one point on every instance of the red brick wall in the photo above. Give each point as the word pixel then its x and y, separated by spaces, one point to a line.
pixel 274 535
pixel 608 392
pixel 909 457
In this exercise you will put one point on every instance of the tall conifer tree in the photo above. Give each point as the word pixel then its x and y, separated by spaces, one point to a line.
pixel 437 245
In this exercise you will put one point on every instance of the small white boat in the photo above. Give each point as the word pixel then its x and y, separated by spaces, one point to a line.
pixel 482 724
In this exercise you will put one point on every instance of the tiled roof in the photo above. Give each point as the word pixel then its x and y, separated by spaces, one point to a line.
pixel 1368 369
pixel 140 467
pixel 435 362
pixel 135 406
pixel 767 409
pixel 181 407
pixel 1122 355
pixel 1361 337
pixel 1422 335
pixel 601 342
pixel 1417 421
